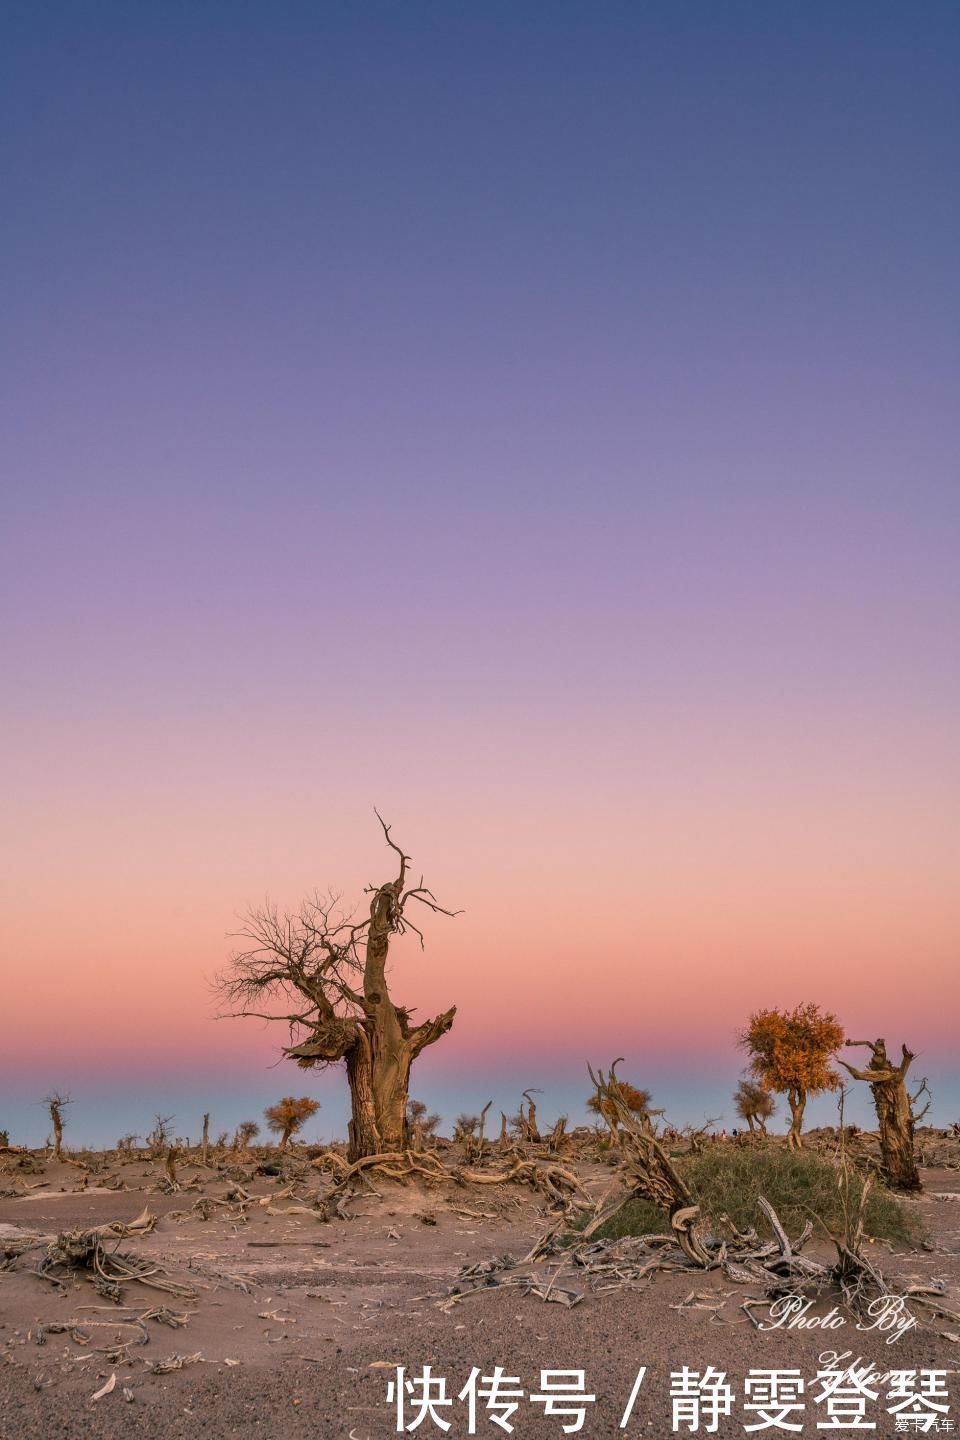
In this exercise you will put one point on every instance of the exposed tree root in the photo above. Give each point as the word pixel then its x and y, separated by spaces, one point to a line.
pixel 86 1250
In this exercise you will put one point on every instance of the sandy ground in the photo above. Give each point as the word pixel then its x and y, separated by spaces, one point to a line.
pixel 300 1336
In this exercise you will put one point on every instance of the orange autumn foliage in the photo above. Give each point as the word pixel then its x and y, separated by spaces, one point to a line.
pixel 289 1115
pixel 791 1051
pixel 636 1100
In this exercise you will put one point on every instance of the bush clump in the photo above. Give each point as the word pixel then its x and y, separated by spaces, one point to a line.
pixel 728 1180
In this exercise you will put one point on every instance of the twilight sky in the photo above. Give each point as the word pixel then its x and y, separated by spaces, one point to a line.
pixel 537 420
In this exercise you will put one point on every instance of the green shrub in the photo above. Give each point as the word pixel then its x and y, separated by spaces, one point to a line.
pixel 799 1185
pixel 728 1179
pixel 637 1217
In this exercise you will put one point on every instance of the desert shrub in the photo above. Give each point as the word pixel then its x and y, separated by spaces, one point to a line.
pixel 727 1180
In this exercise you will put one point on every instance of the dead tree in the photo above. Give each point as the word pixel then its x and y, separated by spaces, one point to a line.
pixel 525 1121
pixel 557 1136
pixel 647 1171
pixel 159 1137
pixel 339 967
pixel 421 1125
pixel 205 1142
pixel 465 1128
pixel 637 1102
pixel 55 1103
pixel 416 1113
pixel 476 1145
pixel 895 1113
pixel 698 1135
pixel 173 1153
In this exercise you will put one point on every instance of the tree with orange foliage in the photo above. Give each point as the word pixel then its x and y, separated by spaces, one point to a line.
pixel 289 1116
pixel 791 1050
pixel 754 1104
pixel 636 1101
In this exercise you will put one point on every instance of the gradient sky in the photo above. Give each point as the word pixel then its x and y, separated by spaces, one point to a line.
pixel 537 420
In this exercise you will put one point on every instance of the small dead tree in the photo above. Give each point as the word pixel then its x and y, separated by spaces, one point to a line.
pixel 698 1135
pixel 173 1154
pixel 465 1128
pixel 289 1116
pixel 895 1111
pixel 558 1135
pixel 56 1103
pixel 416 1111
pixel 205 1140
pixel 475 1144
pixel 422 1127
pixel 159 1137
pixel 648 1171
pixel 525 1121
pixel 338 967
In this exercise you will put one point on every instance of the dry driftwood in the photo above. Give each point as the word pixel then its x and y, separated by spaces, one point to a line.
pixel 87 1251
pixel 646 1171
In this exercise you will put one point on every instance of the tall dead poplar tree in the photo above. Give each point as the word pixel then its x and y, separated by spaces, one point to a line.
pixel 56 1104
pixel 895 1113
pixel 338 966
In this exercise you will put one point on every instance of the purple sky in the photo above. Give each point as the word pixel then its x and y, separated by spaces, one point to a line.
pixel 539 420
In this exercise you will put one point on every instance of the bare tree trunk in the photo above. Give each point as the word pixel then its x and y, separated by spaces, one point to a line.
pixel 378 1063
pixel 797 1100
pixel 377 1042
pixel 751 1124
pixel 533 1134
pixel 480 1146
pixel 379 1084
pixel 556 1137
pixel 205 1142
pixel 504 1134
pixel 894 1112
pixel 896 1135
pixel 57 1133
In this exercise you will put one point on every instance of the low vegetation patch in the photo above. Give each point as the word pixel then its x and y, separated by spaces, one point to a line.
pixel 799 1185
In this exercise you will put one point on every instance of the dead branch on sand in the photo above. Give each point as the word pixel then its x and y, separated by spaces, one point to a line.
pixel 86 1251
